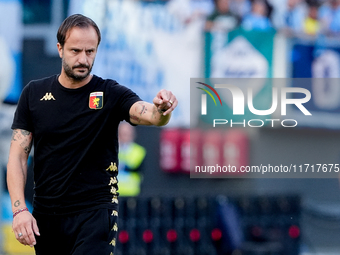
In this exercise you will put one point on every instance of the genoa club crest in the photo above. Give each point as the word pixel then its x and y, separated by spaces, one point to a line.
pixel 96 100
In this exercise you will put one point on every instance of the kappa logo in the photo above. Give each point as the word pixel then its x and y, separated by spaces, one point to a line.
pixel 47 97
pixel 112 167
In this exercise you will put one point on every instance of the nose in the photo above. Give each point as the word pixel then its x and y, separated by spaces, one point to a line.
pixel 82 58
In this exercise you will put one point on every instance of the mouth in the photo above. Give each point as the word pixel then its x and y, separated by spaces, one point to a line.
pixel 81 68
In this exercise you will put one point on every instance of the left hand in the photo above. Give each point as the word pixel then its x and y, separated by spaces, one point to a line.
pixel 165 100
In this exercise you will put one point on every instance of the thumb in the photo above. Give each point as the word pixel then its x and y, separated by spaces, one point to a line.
pixel 157 101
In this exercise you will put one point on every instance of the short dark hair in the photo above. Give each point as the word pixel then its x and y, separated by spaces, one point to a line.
pixel 75 20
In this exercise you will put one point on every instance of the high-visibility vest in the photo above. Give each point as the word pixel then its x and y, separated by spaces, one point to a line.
pixel 129 177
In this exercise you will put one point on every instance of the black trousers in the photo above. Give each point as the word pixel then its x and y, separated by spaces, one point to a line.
pixel 91 233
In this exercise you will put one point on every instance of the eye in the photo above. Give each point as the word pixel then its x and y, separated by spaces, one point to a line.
pixel 89 52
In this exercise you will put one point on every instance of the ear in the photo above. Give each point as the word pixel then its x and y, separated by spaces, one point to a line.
pixel 60 50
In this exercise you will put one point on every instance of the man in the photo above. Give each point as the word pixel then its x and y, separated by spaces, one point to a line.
pixel 131 157
pixel 73 119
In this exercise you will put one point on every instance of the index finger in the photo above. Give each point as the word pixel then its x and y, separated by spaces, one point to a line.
pixel 170 109
pixel 164 95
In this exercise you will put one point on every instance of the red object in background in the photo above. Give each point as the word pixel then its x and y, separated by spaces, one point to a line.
pixel 195 235
pixel 170 150
pixel 147 236
pixel 212 148
pixel 235 149
pixel 294 231
pixel 216 234
pixel 123 236
pixel 171 235
pixel 191 149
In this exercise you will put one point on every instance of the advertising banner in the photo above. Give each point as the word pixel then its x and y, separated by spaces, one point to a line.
pixel 239 54
pixel 321 62
pixel 242 56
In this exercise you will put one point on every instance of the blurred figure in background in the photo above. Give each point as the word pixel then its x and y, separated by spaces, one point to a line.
pixel 222 19
pixel 240 7
pixel 311 24
pixel 294 16
pixel 188 11
pixel 329 16
pixel 131 157
pixel 258 18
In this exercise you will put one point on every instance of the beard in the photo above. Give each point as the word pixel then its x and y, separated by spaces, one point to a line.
pixel 69 71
